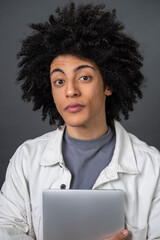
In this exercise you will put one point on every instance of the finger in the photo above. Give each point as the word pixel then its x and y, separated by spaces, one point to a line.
pixel 120 236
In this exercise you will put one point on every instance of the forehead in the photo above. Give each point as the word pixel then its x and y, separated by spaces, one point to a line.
pixel 70 61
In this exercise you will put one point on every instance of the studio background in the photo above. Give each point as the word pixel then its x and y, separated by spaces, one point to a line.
pixel 19 123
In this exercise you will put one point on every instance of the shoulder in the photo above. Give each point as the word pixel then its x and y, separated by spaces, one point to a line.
pixel 137 144
pixel 32 150
pixel 143 151
pixel 147 157
pixel 142 146
pixel 133 150
pixel 42 140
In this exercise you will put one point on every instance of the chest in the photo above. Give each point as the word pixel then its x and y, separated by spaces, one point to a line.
pixel 137 206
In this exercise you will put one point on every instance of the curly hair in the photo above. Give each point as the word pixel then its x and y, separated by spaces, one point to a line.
pixel 86 31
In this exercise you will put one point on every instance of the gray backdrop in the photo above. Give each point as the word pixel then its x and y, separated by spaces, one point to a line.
pixel 19 122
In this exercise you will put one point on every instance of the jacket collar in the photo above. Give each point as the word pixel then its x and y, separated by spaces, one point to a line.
pixel 53 151
pixel 123 159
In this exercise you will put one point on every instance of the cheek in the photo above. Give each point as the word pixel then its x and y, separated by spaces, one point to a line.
pixel 95 96
pixel 55 96
pixel 58 100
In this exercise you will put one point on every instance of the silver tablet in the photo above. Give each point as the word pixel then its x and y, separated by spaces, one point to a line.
pixel 82 214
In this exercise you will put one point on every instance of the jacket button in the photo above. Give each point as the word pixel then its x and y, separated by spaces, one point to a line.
pixel 63 186
pixel 60 165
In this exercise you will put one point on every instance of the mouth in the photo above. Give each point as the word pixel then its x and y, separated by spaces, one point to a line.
pixel 76 107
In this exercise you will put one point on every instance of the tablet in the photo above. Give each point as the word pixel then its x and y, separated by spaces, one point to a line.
pixel 82 214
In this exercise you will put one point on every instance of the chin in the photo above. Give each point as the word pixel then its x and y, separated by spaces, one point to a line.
pixel 76 123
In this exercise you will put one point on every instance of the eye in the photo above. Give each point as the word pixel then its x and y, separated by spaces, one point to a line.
pixel 85 78
pixel 58 82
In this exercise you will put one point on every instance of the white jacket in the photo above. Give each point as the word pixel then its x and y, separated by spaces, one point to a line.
pixel 38 164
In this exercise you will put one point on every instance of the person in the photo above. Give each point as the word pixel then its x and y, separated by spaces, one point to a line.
pixel 84 72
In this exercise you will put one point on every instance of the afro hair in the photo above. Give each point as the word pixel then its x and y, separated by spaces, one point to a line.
pixel 86 31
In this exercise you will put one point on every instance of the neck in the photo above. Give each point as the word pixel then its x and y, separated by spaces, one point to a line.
pixel 87 132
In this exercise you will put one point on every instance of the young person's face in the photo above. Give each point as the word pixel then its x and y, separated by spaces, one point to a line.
pixel 78 91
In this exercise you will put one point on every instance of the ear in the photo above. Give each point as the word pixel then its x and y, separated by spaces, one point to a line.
pixel 108 91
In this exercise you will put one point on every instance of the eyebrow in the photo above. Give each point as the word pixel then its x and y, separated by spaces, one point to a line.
pixel 75 70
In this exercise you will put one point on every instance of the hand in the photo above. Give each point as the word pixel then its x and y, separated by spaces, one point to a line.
pixel 120 236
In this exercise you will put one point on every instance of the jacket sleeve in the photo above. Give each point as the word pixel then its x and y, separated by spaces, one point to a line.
pixel 154 216
pixel 15 207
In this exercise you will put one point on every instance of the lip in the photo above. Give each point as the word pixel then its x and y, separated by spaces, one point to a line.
pixel 74 107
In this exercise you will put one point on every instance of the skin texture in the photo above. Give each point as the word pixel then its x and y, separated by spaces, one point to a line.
pixel 120 236
pixel 76 80
pixel 90 31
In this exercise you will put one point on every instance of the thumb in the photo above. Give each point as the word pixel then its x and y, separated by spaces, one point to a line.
pixel 120 236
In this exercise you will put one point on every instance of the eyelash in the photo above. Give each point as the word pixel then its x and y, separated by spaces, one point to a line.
pixel 57 81
pixel 88 78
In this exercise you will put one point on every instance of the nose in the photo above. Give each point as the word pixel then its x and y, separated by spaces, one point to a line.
pixel 72 89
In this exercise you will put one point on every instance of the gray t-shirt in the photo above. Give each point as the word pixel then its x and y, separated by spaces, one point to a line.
pixel 87 158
